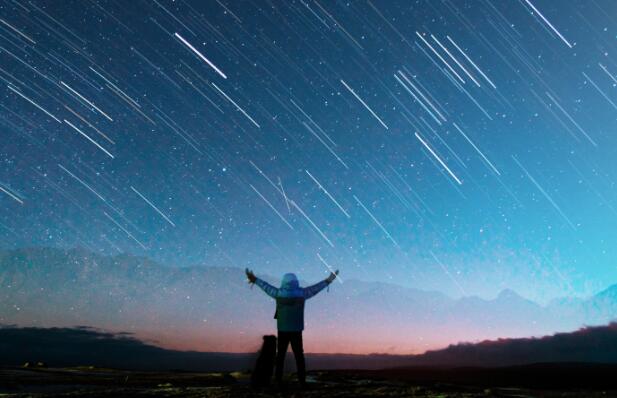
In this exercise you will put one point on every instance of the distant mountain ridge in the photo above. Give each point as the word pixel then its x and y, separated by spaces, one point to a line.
pixel 80 346
pixel 60 347
pixel 213 309
pixel 596 344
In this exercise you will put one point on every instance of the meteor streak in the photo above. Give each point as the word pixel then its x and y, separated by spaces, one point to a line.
pixel 438 159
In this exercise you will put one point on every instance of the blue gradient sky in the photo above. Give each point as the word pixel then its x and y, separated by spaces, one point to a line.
pixel 539 218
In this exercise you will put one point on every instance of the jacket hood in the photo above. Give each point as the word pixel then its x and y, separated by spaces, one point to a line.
pixel 289 282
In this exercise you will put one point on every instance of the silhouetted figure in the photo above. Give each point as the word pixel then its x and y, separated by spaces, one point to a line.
pixel 264 366
pixel 289 316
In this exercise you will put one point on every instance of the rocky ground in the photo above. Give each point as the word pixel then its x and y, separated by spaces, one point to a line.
pixel 95 382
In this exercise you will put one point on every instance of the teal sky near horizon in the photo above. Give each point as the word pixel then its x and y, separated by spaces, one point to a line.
pixel 465 147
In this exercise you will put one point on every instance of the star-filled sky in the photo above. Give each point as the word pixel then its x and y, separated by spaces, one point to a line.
pixel 459 146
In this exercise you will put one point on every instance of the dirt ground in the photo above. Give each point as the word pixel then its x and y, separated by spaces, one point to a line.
pixel 95 382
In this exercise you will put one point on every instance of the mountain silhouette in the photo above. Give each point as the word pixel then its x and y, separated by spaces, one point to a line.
pixel 81 346
pixel 206 308
pixel 597 344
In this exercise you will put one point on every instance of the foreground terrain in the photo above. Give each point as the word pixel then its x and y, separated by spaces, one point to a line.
pixel 470 382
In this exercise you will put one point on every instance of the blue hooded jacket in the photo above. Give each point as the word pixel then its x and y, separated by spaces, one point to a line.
pixel 290 299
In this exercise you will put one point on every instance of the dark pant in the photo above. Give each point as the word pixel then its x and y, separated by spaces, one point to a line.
pixel 295 338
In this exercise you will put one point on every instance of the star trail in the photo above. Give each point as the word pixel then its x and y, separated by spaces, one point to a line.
pixel 464 147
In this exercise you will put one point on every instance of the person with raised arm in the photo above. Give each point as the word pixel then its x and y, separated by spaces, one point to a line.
pixel 290 298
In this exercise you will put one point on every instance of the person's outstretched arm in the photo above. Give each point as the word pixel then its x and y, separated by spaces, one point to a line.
pixel 265 286
pixel 310 291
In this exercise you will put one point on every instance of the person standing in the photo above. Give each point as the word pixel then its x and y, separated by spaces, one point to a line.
pixel 290 298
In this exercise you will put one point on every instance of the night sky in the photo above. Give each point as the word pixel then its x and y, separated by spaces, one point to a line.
pixel 460 146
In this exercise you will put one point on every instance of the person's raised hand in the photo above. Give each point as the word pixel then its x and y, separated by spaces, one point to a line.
pixel 332 276
pixel 250 275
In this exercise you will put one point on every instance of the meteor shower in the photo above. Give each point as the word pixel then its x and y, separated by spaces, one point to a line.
pixel 308 198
